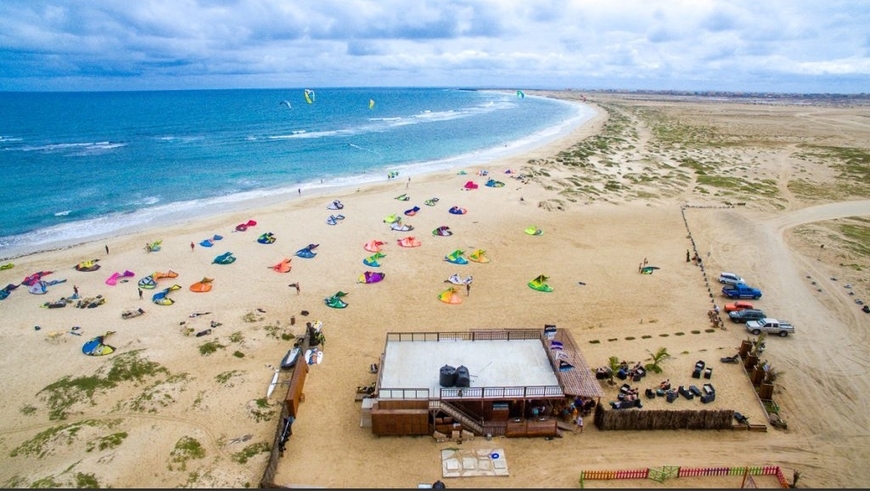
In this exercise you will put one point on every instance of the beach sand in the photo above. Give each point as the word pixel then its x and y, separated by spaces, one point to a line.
pixel 744 182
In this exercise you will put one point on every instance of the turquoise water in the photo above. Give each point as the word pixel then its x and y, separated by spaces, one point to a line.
pixel 81 166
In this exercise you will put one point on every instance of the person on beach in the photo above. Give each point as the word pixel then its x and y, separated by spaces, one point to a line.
pixel 76 290
pixel 296 286
pixel 192 245
pixel 107 248
pixel 468 289
pixel 140 293
pixel 579 422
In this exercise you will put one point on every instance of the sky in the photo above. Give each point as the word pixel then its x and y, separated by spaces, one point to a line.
pixel 785 46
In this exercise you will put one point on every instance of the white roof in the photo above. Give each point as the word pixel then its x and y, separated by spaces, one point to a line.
pixel 499 363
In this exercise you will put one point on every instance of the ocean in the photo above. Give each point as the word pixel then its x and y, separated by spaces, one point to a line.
pixel 81 166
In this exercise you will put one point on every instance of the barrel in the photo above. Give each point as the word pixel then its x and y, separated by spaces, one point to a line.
pixel 448 376
pixel 463 379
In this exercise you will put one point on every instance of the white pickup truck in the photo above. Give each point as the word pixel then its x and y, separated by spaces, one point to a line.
pixel 770 326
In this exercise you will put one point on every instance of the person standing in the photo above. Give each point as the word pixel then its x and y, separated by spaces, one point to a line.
pixel 192 245
pixel 107 248
pixel 579 422
pixel 76 290
pixel 468 289
pixel 140 294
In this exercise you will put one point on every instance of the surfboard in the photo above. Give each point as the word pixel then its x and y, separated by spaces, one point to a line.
pixel 272 385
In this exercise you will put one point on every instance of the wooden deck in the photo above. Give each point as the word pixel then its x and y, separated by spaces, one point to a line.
pixel 580 381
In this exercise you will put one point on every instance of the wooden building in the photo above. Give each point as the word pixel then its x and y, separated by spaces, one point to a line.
pixel 511 382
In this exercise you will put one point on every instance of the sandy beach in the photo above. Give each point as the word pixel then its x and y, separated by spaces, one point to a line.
pixel 764 190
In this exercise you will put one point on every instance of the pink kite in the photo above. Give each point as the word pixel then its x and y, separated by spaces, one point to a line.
pixel 32 279
pixel 374 245
pixel 244 226
pixel 409 242
pixel 113 280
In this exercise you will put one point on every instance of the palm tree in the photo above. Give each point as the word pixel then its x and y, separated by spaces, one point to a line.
pixel 659 356
pixel 757 347
pixel 614 367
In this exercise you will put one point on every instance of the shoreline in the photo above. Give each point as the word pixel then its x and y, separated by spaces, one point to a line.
pixel 197 415
pixel 215 207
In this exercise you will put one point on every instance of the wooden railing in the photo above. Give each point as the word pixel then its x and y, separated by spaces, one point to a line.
pixel 415 394
pixel 484 335
pixel 519 392
pixel 474 393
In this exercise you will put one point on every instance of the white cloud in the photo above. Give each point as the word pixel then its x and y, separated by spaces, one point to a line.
pixel 656 44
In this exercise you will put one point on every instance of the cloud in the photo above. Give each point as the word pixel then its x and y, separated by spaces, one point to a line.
pixel 656 44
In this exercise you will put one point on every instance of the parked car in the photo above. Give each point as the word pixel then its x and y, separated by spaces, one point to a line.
pixel 770 326
pixel 729 278
pixel 738 305
pixel 741 290
pixel 741 316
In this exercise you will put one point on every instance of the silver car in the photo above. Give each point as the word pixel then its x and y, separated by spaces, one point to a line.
pixel 730 278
